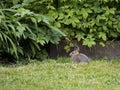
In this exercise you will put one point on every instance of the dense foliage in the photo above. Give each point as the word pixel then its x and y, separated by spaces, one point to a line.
pixel 23 31
pixel 27 25
pixel 89 21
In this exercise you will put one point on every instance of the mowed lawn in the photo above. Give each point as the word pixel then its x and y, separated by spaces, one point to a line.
pixel 61 75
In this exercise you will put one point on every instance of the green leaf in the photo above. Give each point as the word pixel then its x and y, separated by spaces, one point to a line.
pixel 22 12
pixel 67 48
pixel 114 34
pixel 70 13
pixel 51 7
pixel 102 35
pixel 67 21
pixel 84 13
pixel 118 27
pixel 102 44
pixel 74 21
pixel 15 2
pixel 79 36
pixel 9 40
pixel 21 30
pixel 91 23
pixel 57 24
pixel 28 1
pixel 41 39
pixel 61 16
pixel 33 20
pixel 56 30
pixel 33 49
pixel 89 41
pixel 37 18
pixel 109 11
pixel 101 18
pixel 110 23
pixel 20 50
pixel 74 24
pixel 12 27
pixel 105 28
pixel 46 20
pixel 35 44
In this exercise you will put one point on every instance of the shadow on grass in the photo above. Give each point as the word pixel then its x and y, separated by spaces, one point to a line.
pixel 58 60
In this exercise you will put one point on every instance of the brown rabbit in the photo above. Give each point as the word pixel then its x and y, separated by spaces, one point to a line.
pixel 78 57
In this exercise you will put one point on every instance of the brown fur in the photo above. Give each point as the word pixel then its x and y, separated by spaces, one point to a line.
pixel 78 57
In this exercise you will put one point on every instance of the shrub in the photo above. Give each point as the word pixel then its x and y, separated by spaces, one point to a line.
pixel 88 21
pixel 24 31
pixel 26 26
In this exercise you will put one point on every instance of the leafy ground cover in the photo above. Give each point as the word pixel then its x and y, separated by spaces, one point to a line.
pixel 61 74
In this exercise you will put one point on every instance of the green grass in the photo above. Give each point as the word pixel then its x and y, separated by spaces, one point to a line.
pixel 61 75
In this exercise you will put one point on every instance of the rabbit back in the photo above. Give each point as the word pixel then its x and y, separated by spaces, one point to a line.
pixel 83 58
pixel 80 58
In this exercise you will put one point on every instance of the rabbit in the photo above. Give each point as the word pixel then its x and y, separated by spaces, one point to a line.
pixel 78 57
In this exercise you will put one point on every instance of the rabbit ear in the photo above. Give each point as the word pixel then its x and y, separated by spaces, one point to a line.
pixel 75 42
pixel 76 47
